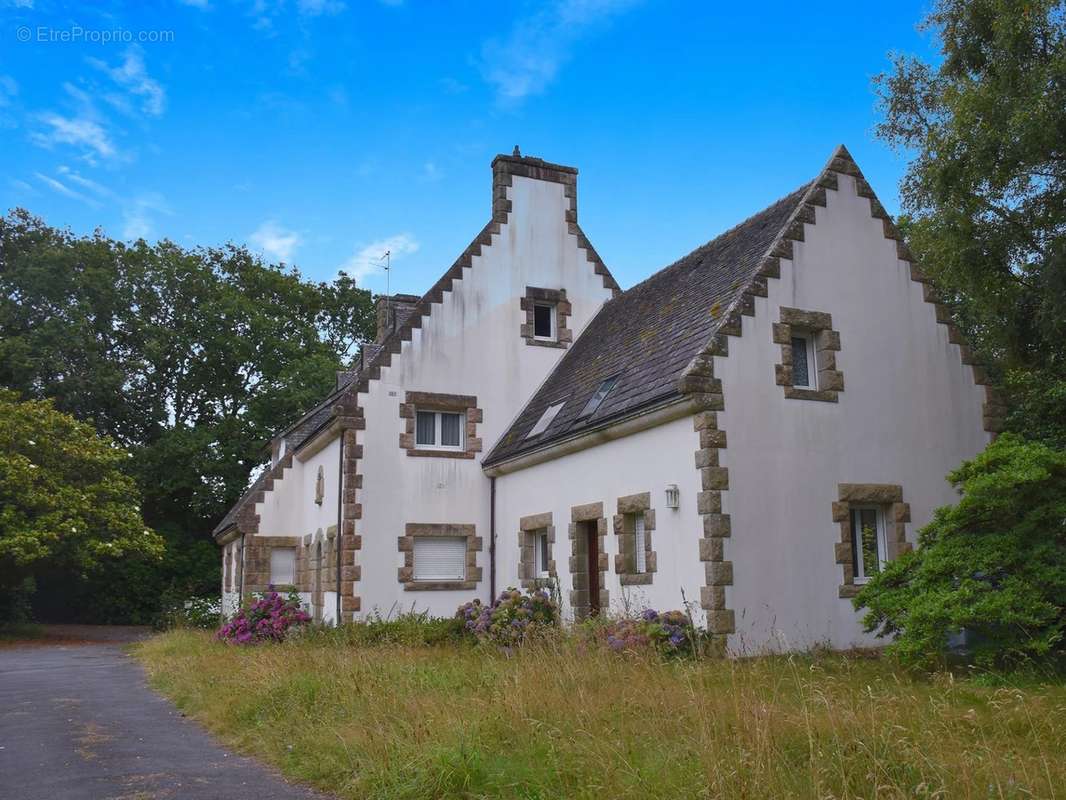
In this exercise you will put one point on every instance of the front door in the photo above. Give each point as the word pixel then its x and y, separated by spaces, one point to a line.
pixel 593 534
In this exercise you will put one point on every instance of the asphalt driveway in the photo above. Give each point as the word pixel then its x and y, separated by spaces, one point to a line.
pixel 78 721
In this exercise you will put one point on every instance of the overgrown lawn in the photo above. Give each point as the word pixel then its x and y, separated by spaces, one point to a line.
pixel 560 720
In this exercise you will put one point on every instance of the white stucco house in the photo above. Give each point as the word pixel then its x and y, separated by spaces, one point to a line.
pixel 754 429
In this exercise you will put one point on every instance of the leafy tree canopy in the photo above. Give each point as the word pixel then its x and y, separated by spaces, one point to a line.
pixel 65 501
pixel 190 359
pixel 994 564
pixel 985 195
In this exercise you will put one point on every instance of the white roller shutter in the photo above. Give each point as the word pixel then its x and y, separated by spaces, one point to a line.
pixel 440 558
pixel 283 566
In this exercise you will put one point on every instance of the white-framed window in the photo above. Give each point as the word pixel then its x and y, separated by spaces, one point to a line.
pixel 640 562
pixel 541 553
pixel 440 558
pixel 868 545
pixel 544 325
pixel 283 566
pixel 804 367
pixel 439 430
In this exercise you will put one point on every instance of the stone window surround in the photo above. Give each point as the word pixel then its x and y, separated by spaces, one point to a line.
pixel 819 325
pixel 433 401
pixel 625 560
pixel 556 297
pixel 579 595
pixel 227 568
pixel 528 527
pixel 887 496
pixel 305 565
pixel 257 562
pixel 406 545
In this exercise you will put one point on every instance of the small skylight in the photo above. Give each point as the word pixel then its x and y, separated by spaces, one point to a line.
pixel 545 419
pixel 597 397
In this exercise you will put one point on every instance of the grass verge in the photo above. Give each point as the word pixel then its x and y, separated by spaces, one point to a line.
pixel 559 720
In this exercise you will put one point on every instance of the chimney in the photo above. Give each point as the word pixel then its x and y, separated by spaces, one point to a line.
pixel 392 312
pixel 505 167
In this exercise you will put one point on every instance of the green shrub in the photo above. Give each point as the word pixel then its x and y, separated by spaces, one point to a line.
pixel 410 629
pixel 993 565
pixel 511 618
pixel 195 612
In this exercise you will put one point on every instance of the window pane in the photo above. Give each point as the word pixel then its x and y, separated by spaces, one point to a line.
pixel 283 565
pixel 639 543
pixel 542 321
pixel 425 428
pixel 864 528
pixel 542 553
pixel 800 372
pixel 870 561
pixel 451 430
pixel 597 397
pixel 440 558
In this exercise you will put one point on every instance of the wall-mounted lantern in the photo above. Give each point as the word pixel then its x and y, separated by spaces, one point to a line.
pixel 673 496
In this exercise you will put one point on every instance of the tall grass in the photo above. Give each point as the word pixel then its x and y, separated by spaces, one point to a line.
pixel 560 720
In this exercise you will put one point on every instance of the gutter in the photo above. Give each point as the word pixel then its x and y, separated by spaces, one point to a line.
pixel 492 539
pixel 634 422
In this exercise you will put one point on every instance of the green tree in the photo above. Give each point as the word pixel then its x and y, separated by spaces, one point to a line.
pixel 994 565
pixel 190 359
pixel 65 502
pixel 985 195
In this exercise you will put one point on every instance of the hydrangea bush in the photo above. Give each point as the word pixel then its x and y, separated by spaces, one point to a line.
pixel 670 632
pixel 510 618
pixel 265 619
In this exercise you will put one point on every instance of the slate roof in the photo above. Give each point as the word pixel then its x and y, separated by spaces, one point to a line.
pixel 647 335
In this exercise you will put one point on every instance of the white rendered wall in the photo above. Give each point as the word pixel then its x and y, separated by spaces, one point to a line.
pixel 909 413
pixel 289 509
pixel 643 462
pixel 470 345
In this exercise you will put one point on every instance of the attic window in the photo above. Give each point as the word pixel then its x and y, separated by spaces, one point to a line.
pixel 546 419
pixel 597 397
pixel 544 321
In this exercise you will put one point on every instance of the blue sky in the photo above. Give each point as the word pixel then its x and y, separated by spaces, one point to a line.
pixel 321 132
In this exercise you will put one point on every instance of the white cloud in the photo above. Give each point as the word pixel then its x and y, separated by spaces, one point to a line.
pixel 201 4
pixel 137 215
pixel 313 8
pixel 529 57
pixel 369 260
pixel 9 89
pixel 22 186
pixel 431 172
pixel 75 177
pixel 276 242
pixel 80 131
pixel 132 76
pixel 61 188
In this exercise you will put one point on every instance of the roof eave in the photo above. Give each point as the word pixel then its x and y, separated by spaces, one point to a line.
pixel 640 419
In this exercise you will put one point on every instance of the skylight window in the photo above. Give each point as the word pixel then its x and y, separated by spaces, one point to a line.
pixel 546 419
pixel 597 397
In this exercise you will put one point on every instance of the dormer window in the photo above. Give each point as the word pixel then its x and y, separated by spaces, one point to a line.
pixel 544 322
